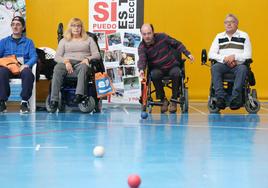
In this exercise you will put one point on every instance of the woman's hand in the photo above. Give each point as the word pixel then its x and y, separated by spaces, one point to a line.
pixel 68 66
pixel 85 61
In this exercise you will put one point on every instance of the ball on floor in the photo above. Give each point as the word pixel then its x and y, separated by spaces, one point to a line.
pixel 144 115
pixel 134 181
pixel 98 151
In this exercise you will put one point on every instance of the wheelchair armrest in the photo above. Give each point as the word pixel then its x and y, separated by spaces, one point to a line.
pixel 97 65
pixel 213 61
pixel 248 62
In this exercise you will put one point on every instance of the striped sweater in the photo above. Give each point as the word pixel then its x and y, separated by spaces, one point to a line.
pixel 238 45
pixel 161 54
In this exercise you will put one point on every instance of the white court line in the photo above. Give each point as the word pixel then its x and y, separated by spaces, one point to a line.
pixel 125 110
pixel 201 112
pixel 266 109
pixel 37 147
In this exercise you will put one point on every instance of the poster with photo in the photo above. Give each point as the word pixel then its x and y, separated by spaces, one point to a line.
pixel 9 9
pixel 122 38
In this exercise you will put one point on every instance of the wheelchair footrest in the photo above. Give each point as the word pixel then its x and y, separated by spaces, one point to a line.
pixel 174 100
pixel 155 103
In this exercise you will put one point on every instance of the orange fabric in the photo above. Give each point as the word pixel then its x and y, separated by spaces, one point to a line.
pixel 11 63
pixel 104 85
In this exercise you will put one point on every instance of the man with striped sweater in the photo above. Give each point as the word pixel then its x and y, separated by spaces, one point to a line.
pixel 230 49
pixel 160 53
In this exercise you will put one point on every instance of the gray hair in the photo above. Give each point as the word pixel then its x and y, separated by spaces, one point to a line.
pixel 232 16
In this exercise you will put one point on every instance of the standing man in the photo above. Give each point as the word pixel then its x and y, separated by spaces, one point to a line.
pixel 230 49
pixel 24 49
pixel 158 52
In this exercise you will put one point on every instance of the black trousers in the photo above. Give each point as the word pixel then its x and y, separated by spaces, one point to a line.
pixel 27 78
pixel 157 76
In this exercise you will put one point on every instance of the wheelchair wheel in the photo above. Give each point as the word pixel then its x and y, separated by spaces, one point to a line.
pixel 87 105
pixel 184 103
pixel 212 106
pixel 253 106
pixel 61 106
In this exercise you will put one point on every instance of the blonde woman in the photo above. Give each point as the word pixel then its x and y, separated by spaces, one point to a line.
pixel 75 52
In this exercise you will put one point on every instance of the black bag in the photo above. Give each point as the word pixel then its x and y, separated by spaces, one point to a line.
pixel 44 66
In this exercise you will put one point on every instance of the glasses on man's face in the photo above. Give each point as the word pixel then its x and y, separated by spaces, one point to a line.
pixel 76 25
pixel 229 22
pixel 15 24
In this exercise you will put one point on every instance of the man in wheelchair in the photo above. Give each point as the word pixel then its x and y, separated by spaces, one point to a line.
pixel 157 53
pixel 229 51
pixel 73 56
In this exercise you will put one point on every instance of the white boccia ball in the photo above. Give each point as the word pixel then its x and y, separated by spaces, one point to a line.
pixel 98 151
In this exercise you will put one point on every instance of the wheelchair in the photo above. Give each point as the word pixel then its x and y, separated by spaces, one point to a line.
pixel 90 102
pixel 249 96
pixel 146 98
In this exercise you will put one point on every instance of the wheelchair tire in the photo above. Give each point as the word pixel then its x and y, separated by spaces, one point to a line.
pixel 87 105
pixel 212 108
pixel 61 106
pixel 253 109
pixel 184 103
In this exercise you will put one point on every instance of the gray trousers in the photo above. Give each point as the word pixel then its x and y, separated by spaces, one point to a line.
pixel 60 72
pixel 240 72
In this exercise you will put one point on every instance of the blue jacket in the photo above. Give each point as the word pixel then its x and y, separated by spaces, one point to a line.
pixel 25 48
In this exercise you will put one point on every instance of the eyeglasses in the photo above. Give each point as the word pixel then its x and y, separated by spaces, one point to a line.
pixel 16 24
pixel 229 22
pixel 74 25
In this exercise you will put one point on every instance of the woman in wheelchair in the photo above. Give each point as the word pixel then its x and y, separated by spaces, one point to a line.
pixel 157 51
pixel 74 53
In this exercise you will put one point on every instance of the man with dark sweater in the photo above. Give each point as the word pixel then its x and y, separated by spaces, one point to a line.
pixel 158 52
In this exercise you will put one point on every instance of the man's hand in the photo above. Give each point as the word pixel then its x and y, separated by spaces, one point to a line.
pixel 23 66
pixel 191 58
pixel 229 59
pixel 141 74
pixel 232 64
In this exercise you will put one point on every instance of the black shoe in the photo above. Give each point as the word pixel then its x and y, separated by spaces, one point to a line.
pixel 235 103
pixel 53 106
pixel 24 107
pixel 3 107
pixel 78 99
pixel 220 103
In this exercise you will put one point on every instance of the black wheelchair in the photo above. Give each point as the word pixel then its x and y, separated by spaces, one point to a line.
pixel 146 98
pixel 90 102
pixel 249 96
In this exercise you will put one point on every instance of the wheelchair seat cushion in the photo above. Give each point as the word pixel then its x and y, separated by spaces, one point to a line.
pixel 228 77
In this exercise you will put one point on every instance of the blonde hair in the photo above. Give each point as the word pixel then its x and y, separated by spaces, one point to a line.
pixel 68 33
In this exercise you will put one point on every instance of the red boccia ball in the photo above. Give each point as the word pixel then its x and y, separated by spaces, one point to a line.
pixel 134 181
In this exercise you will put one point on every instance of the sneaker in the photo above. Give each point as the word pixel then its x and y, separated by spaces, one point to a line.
pixel 173 107
pixel 164 106
pixel 24 107
pixel 3 107
pixel 220 103
pixel 235 103
pixel 78 99
pixel 53 106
